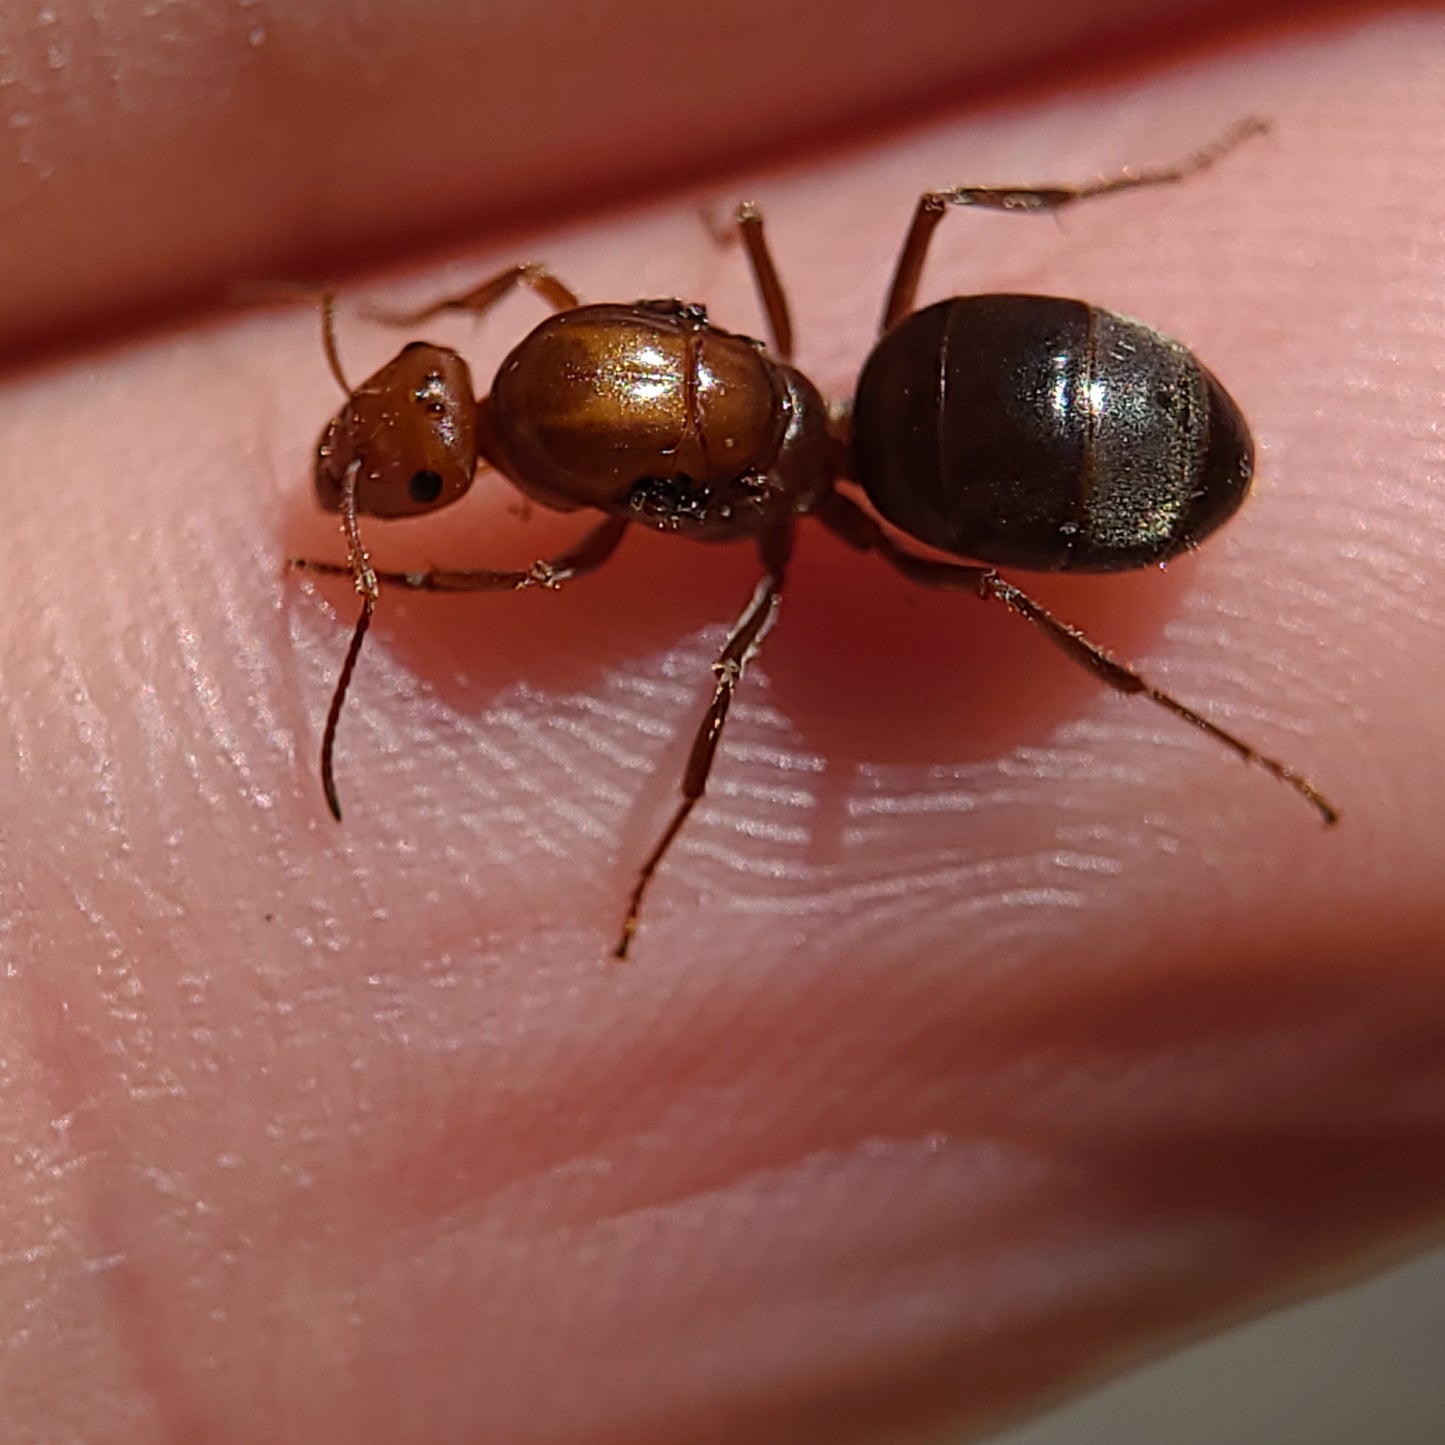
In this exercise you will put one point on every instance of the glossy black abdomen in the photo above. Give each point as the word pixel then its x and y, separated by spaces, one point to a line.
pixel 1046 434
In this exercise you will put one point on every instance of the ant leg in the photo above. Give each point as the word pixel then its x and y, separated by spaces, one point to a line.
pixel 845 518
pixel 531 274
pixel 765 277
pixel 588 555
pixel 754 624
pixel 1033 199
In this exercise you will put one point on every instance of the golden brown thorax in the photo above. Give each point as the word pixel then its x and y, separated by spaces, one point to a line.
pixel 645 411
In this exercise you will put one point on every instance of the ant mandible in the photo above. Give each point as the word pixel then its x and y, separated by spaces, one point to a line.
pixel 1028 431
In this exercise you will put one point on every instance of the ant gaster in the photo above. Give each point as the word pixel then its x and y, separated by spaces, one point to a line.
pixel 1027 431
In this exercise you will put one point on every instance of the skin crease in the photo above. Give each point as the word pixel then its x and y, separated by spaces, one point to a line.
pixel 985 1030
pixel 266 140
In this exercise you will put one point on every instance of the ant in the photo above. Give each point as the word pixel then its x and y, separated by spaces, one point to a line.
pixel 1026 431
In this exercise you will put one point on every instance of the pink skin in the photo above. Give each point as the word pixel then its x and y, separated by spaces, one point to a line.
pixel 985 1029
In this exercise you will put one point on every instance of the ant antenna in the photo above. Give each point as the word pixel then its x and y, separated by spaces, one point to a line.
pixel 367 586
pixel 360 562
pixel 328 341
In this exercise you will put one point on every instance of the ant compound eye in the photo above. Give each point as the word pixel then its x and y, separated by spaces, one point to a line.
pixel 424 487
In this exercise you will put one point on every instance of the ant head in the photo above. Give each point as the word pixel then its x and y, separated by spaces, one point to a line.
pixel 409 433
pixel 404 443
